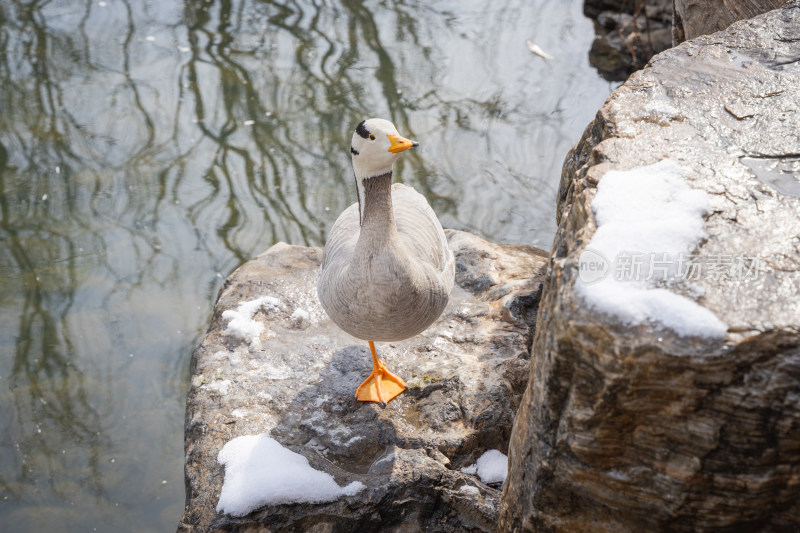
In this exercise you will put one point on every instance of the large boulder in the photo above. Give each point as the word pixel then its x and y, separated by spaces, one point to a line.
pixel 295 381
pixel 634 420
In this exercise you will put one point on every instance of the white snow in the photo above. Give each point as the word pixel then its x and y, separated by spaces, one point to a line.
pixel 240 321
pixel 649 211
pixel 259 471
pixel 492 467
pixel 300 319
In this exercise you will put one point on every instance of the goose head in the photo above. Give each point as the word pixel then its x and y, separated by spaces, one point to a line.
pixel 375 147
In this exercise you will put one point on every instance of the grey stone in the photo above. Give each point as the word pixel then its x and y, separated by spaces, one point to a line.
pixel 635 428
pixel 693 18
pixel 466 375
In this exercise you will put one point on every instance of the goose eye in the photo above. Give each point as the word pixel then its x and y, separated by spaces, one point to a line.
pixel 371 137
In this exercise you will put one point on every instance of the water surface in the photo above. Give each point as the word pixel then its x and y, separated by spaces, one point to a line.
pixel 149 148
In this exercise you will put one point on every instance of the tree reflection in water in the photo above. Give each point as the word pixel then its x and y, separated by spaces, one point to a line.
pixel 148 148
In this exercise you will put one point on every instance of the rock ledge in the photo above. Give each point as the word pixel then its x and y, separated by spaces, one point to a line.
pixel 466 375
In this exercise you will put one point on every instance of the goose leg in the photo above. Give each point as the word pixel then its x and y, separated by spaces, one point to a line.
pixel 381 386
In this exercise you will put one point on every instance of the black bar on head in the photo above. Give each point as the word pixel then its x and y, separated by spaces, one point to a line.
pixel 361 129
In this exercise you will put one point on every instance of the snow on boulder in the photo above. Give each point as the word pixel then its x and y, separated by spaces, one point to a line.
pixel 259 471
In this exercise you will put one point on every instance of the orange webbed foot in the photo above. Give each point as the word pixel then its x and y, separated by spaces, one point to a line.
pixel 381 386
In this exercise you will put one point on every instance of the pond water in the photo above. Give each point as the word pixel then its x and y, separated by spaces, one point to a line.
pixel 149 148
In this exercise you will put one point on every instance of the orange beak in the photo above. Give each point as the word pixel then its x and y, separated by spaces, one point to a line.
pixel 400 144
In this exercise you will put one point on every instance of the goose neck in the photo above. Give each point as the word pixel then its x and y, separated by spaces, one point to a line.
pixel 375 203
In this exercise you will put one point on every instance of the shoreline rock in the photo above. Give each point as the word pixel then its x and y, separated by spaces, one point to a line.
pixel 634 427
pixel 296 380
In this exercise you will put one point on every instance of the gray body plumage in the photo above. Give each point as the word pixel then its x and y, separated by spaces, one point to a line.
pixel 389 278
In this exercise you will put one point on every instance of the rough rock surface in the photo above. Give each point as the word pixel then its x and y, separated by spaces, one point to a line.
pixel 693 18
pixel 466 375
pixel 628 34
pixel 635 428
